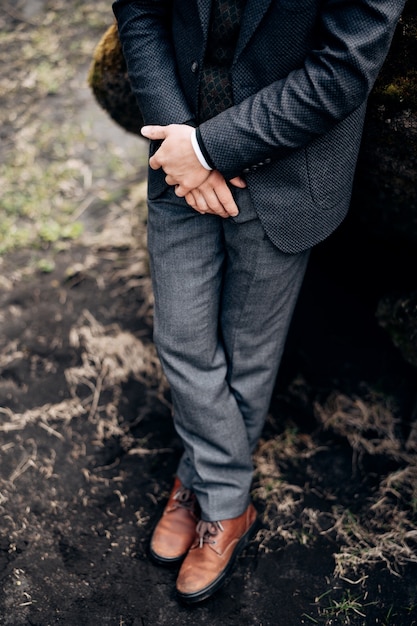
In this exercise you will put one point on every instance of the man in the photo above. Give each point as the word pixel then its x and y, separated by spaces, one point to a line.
pixel 254 109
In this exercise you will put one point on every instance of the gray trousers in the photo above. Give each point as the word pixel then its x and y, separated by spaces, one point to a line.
pixel 224 298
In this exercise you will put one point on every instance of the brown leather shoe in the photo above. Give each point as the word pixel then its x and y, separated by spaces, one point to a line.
pixel 213 554
pixel 175 531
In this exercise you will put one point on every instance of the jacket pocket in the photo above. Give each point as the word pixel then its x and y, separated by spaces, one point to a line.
pixel 331 160
pixel 156 178
pixel 246 207
pixel 331 166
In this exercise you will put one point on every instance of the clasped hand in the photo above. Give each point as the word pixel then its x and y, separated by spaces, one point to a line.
pixel 206 191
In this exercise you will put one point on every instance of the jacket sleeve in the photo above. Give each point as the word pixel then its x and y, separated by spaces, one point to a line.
pixel 335 80
pixel 145 35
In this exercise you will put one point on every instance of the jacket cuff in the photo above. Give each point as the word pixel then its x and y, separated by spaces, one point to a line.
pixel 198 152
pixel 203 150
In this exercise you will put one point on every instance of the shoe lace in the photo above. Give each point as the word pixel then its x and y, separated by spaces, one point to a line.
pixel 207 531
pixel 185 498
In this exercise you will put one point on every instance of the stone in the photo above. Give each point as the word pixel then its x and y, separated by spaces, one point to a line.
pixel 110 83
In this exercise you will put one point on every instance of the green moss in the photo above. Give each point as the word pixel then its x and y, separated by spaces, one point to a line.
pixel 403 90
pixel 396 87
pixel 110 84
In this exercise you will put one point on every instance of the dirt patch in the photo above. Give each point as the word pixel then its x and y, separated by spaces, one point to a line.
pixel 87 447
pixel 88 452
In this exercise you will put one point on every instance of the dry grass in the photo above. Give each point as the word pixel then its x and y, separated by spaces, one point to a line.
pixel 384 529
pixel 368 424
pixel 111 357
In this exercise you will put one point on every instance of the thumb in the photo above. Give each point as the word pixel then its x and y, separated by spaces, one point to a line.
pixel 154 132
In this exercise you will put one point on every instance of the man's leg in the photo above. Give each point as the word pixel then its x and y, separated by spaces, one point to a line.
pixel 261 287
pixel 259 291
pixel 187 262
pixel 224 297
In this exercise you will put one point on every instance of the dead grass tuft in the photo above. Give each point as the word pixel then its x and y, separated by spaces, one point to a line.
pixel 63 412
pixel 111 356
pixel 369 425
pixel 385 530
pixel 284 502
pixel 365 543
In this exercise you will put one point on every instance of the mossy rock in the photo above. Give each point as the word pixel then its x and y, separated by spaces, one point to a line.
pixel 385 192
pixel 396 87
pixel 110 83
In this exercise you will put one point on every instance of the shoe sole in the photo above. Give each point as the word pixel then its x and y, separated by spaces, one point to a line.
pixel 161 560
pixel 206 592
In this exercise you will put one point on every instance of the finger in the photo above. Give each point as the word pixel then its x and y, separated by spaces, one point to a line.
pixel 238 182
pixel 154 163
pixel 226 200
pixel 191 199
pixel 154 132
pixel 212 202
pixel 170 180
pixel 201 203
pixel 181 190
pixel 223 193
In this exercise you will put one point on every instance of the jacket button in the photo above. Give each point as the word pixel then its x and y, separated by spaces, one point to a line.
pixel 246 170
pixel 267 160
pixel 194 67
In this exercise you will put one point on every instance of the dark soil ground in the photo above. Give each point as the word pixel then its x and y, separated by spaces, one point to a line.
pixel 88 451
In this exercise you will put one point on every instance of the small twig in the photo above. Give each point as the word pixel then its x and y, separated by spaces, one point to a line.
pixel 145 451
pixel 51 431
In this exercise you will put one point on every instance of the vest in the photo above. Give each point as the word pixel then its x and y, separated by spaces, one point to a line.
pixel 215 90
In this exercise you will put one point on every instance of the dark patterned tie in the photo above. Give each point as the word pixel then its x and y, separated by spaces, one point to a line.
pixel 215 89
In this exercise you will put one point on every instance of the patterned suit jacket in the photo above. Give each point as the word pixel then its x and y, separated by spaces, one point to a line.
pixel 301 75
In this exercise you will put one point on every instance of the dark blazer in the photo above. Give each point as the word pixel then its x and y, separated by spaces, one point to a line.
pixel 301 75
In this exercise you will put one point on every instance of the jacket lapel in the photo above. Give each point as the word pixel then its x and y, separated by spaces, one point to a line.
pixel 204 10
pixel 253 13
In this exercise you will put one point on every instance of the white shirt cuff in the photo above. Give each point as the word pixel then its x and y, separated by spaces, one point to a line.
pixel 198 152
